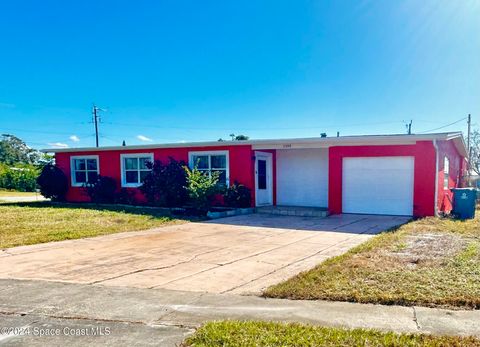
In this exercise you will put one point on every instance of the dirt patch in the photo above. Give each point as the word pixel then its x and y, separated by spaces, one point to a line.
pixel 427 249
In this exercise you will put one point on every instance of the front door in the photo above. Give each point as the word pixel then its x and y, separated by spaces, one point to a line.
pixel 263 179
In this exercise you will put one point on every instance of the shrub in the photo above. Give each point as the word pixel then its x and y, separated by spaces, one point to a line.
pixel 53 183
pixel 126 197
pixel 102 191
pixel 237 195
pixel 201 188
pixel 166 184
pixel 22 178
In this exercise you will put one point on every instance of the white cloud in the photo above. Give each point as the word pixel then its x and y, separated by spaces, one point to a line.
pixel 74 138
pixel 144 138
pixel 58 145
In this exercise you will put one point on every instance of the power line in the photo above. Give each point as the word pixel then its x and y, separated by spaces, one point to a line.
pixel 444 126
pixel 330 126
pixel 109 138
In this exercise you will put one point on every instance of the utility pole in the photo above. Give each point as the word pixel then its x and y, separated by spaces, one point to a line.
pixel 96 119
pixel 469 125
pixel 409 128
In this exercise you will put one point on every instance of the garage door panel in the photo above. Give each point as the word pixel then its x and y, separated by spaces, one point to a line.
pixel 380 185
pixel 302 177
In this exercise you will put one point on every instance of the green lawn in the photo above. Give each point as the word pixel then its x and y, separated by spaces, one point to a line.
pixel 39 222
pixel 428 262
pixel 251 333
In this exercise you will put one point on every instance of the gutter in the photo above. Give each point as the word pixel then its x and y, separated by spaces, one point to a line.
pixel 435 206
pixel 312 142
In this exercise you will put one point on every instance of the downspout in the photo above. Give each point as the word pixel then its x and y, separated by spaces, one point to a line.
pixel 435 206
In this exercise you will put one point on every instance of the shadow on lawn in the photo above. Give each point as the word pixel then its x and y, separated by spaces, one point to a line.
pixel 154 212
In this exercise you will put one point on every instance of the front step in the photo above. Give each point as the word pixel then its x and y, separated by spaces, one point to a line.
pixel 299 211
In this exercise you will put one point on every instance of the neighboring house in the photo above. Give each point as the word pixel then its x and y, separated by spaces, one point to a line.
pixel 380 174
pixel 473 179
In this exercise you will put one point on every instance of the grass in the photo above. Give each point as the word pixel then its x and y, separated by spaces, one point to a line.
pixel 15 193
pixel 39 222
pixel 431 262
pixel 253 333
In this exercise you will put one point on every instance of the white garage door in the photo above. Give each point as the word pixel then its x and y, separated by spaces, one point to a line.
pixel 302 177
pixel 382 185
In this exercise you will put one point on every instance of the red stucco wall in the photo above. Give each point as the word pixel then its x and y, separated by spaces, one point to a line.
pixel 241 169
pixel 424 176
pixel 240 165
pixel 457 169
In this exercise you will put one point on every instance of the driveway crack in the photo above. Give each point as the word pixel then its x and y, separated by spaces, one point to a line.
pixel 96 319
pixel 415 318
pixel 154 268
pixel 285 266
pixel 243 258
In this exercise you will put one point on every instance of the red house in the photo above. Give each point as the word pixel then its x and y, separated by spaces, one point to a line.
pixel 380 174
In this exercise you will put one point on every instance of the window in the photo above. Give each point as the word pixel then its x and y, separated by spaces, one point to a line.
pixel 446 172
pixel 208 162
pixel 84 170
pixel 134 168
pixel 262 174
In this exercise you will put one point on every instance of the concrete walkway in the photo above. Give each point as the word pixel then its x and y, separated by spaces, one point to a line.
pixel 148 317
pixel 237 255
pixel 30 198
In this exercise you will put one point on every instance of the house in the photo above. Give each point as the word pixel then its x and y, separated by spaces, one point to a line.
pixel 473 179
pixel 379 174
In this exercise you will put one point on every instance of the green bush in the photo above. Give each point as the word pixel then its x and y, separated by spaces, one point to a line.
pixel 201 188
pixel 125 197
pixel 166 184
pixel 102 191
pixel 53 183
pixel 22 178
pixel 238 196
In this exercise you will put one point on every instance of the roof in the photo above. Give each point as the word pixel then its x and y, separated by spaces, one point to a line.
pixel 310 142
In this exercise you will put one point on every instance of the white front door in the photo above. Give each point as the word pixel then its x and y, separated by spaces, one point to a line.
pixel 263 179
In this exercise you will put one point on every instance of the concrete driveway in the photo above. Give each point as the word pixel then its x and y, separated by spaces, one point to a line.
pixel 242 254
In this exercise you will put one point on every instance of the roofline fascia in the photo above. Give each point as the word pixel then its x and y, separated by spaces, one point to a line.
pixel 278 143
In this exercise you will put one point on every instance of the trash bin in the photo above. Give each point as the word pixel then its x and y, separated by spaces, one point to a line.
pixel 464 200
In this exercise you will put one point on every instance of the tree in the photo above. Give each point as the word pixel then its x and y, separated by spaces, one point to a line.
pixel 15 151
pixel 241 138
pixel 475 151
pixel 238 137
pixel 22 178
pixel 53 183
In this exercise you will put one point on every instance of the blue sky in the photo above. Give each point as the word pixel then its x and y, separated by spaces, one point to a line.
pixel 174 71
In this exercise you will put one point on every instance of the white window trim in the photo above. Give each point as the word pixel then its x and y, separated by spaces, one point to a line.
pixel 191 164
pixel 122 171
pixel 446 170
pixel 72 168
